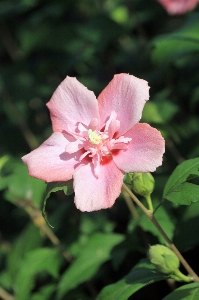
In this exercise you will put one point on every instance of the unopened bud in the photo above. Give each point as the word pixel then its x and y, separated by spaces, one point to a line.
pixel 143 183
pixel 164 259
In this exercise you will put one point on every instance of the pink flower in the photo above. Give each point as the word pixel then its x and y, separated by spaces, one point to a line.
pixel 96 141
pixel 177 7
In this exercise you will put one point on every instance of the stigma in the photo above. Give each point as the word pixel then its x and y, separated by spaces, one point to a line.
pixel 94 138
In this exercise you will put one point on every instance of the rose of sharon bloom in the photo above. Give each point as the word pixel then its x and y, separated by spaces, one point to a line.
pixel 175 7
pixel 95 141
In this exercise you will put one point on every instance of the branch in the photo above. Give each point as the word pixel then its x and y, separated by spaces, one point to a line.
pixel 150 215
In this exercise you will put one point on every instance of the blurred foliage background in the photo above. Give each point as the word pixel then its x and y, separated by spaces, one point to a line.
pixel 41 42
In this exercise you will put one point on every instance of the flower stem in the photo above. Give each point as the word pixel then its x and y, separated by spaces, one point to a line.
pixel 149 202
pixel 149 214
pixel 130 205
pixel 181 276
pixel 136 217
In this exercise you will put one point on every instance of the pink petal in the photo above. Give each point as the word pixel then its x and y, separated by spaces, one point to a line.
pixel 145 151
pixel 72 102
pixel 74 146
pixel 113 128
pixel 50 162
pixel 92 193
pixel 175 7
pixel 125 95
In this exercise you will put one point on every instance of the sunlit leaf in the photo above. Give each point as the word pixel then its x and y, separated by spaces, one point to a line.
pixel 159 111
pixel 44 293
pixel 95 253
pixel 179 189
pixel 21 247
pixel 21 186
pixel 120 14
pixel 39 260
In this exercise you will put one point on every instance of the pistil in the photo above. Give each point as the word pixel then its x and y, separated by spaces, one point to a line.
pixel 94 138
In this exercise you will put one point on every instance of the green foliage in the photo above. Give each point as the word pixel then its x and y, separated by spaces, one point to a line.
pixel 96 252
pixel 188 292
pixel 44 292
pixel 22 186
pixel 53 187
pixel 187 226
pixel 40 260
pixel 178 188
pixel 161 110
pixel 164 220
pixel 141 275
pixel 91 255
pixel 180 42
pixel 21 247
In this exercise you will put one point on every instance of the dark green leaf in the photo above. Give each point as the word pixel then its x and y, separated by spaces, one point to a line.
pixel 53 187
pixel 185 292
pixel 187 226
pixel 171 46
pixel 141 275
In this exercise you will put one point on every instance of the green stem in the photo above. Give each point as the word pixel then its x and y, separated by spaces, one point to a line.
pixel 181 276
pixel 149 202
pixel 149 214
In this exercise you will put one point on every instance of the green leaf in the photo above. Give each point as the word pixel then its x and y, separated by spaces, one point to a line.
pixel 163 219
pixel 159 111
pixel 187 226
pixel 184 194
pixel 177 189
pixel 44 293
pixel 21 247
pixel 22 186
pixel 5 280
pixel 37 261
pixel 172 46
pixel 120 14
pixel 186 292
pixel 13 8
pixel 65 186
pixel 3 160
pixel 52 187
pixel 95 253
pixel 142 274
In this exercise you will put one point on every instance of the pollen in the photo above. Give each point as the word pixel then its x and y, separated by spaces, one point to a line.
pixel 94 138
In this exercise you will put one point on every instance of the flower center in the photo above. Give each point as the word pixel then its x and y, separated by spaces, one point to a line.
pixel 98 145
pixel 94 138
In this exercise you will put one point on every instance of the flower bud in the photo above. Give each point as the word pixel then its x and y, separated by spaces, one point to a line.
pixel 164 259
pixel 143 183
